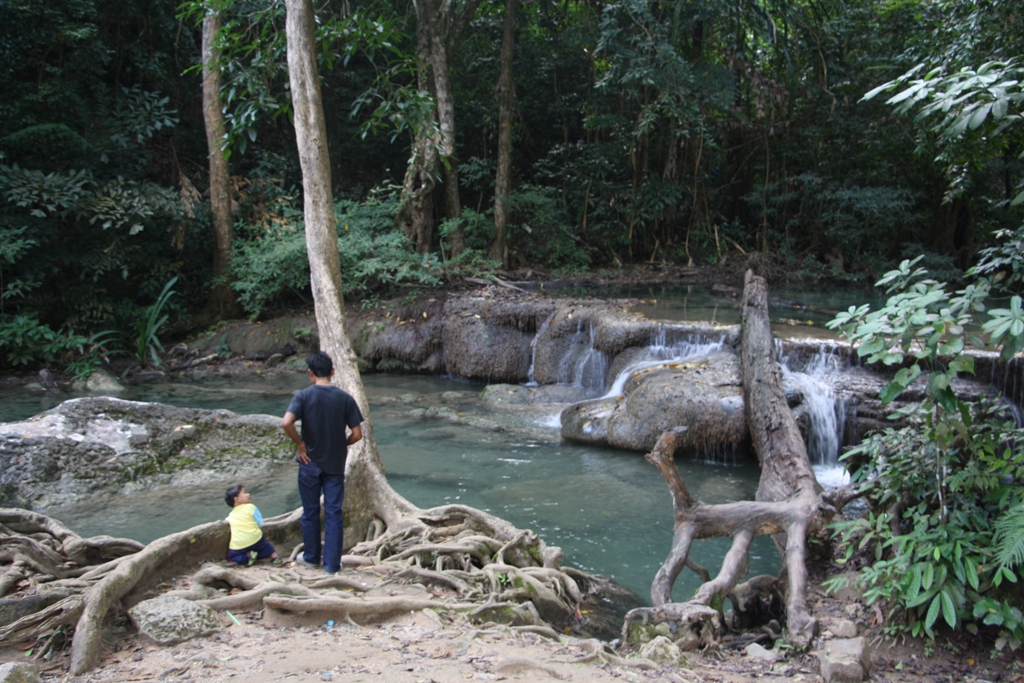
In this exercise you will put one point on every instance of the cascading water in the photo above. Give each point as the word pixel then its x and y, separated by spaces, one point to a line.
pixel 530 381
pixel 661 352
pixel 584 366
pixel 826 414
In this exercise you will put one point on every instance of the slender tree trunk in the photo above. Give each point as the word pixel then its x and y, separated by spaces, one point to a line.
pixel 415 216
pixel 446 118
pixel 506 102
pixel 222 303
pixel 367 492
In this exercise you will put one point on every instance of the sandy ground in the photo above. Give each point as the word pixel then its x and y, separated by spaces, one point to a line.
pixel 420 647
pixel 413 649
pixel 445 647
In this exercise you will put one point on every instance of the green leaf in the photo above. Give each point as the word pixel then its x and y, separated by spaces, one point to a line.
pixel 972 572
pixel 948 609
pixel 962 364
pixel 928 576
pixel 933 613
pixel 978 117
pixel 890 391
pixel 916 582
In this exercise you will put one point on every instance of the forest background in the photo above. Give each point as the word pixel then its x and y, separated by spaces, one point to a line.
pixel 472 136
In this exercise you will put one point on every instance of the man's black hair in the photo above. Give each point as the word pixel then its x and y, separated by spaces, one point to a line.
pixel 231 494
pixel 320 364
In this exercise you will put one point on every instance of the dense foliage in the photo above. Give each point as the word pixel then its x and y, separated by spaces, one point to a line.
pixel 644 132
pixel 942 537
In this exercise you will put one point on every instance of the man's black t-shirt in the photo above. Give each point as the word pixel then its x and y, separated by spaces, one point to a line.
pixel 325 411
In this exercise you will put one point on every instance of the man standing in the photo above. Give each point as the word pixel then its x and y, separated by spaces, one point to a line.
pixel 325 412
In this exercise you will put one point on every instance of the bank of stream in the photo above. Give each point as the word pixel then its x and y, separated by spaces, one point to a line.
pixel 609 510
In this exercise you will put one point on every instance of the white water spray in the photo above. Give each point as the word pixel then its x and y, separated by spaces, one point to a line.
pixel 530 381
pixel 661 352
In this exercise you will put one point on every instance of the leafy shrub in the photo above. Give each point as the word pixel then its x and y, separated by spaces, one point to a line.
pixel 940 489
pixel 931 539
pixel 24 341
pixel 375 257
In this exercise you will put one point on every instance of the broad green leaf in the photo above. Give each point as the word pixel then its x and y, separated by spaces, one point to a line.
pixel 948 609
pixel 962 364
pixel 933 613
pixel 972 573
pixel 978 117
pixel 952 347
pixel 915 583
pixel 928 576
pixel 890 391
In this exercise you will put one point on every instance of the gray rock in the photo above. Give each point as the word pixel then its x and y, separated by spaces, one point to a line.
pixel 843 628
pixel 757 651
pixel 663 651
pixel 167 620
pixel 19 672
pixel 701 394
pixel 90 446
pixel 845 660
pixel 102 382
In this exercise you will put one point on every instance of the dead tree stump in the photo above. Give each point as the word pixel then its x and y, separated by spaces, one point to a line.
pixel 788 506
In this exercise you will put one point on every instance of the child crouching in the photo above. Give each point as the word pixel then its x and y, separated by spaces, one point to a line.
pixel 247 542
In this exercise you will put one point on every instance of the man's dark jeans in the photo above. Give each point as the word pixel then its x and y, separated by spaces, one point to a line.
pixel 313 480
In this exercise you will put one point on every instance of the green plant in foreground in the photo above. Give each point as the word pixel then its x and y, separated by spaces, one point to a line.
pixel 147 344
pixel 938 487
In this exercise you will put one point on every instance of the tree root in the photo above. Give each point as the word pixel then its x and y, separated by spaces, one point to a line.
pixel 341 608
pixel 14 575
pixel 515 664
pixel 480 565
pixel 63 613
pixel 788 504
pixel 600 652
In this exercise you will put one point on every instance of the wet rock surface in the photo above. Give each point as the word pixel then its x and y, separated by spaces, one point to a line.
pixel 87 446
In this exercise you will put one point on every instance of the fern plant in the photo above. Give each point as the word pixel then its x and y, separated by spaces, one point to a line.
pixel 1009 536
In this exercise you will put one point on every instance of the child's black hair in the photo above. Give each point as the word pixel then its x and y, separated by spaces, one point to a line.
pixel 320 364
pixel 231 494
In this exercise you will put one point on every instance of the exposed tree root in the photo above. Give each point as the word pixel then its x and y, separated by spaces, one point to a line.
pixel 515 664
pixel 63 613
pixel 600 652
pixel 788 506
pixel 475 564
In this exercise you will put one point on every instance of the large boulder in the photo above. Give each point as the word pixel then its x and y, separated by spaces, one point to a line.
pixel 86 446
pixel 167 620
pixel 704 394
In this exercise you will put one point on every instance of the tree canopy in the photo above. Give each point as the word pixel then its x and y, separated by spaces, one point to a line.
pixel 647 132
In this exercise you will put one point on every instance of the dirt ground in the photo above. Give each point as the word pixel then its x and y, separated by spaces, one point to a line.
pixel 444 647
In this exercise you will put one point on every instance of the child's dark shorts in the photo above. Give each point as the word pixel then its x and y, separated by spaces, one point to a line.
pixel 262 547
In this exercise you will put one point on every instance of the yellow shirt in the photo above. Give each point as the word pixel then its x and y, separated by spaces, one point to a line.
pixel 245 530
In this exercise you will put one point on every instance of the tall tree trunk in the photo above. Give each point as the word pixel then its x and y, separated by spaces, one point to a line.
pixel 429 13
pixel 506 102
pixel 222 303
pixel 367 492
pixel 415 215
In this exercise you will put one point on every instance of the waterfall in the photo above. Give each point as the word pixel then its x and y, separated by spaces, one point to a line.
pixel 661 352
pixel 530 381
pixel 583 366
pixel 827 415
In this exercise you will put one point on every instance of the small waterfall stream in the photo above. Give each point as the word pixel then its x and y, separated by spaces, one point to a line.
pixel 826 414
pixel 584 366
pixel 530 381
pixel 660 352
